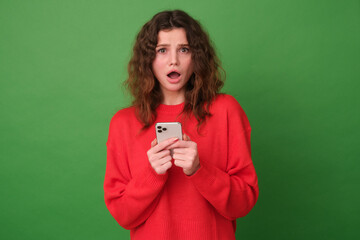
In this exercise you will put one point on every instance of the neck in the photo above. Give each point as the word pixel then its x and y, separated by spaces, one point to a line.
pixel 173 98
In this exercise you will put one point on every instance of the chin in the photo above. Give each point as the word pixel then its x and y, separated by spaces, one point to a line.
pixel 174 88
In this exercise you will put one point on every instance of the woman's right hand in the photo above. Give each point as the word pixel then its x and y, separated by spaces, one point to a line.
pixel 159 155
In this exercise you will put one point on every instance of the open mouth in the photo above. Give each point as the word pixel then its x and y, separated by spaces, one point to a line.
pixel 173 75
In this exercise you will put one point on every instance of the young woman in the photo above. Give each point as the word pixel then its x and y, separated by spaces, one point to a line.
pixel 198 190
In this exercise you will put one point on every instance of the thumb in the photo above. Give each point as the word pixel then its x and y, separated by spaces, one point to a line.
pixel 186 137
pixel 153 143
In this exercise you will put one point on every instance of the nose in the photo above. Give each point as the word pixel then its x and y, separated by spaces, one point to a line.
pixel 174 58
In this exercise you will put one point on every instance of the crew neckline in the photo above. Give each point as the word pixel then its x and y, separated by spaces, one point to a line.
pixel 177 108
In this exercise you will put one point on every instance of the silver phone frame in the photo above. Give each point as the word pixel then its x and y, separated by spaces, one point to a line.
pixel 173 129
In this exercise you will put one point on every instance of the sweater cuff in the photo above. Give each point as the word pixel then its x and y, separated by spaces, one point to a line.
pixel 204 176
pixel 151 178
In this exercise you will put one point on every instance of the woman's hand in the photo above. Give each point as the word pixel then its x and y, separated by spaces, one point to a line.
pixel 185 155
pixel 159 155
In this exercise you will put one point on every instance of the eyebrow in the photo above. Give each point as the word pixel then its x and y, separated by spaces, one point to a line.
pixel 166 45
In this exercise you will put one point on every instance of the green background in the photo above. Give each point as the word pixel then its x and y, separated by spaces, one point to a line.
pixel 293 66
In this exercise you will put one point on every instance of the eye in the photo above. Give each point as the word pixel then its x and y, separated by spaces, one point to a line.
pixel 184 50
pixel 161 50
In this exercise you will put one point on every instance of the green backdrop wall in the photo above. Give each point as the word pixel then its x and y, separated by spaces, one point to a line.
pixel 293 66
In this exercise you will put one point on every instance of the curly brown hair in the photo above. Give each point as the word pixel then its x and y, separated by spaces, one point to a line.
pixel 203 85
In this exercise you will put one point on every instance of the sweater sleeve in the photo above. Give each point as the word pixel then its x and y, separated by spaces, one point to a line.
pixel 232 192
pixel 130 199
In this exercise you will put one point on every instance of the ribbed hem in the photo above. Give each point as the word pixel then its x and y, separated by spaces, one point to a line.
pixel 172 109
pixel 188 230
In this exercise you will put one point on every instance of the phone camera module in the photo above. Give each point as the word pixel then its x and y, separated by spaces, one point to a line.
pixel 164 129
pixel 159 131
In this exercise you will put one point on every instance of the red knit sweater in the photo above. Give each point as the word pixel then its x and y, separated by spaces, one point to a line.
pixel 175 206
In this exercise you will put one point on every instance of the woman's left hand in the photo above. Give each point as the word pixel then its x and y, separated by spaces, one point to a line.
pixel 185 155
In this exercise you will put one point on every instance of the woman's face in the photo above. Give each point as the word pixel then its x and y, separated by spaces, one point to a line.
pixel 172 65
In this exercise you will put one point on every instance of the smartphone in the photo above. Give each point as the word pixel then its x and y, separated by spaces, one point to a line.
pixel 166 130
